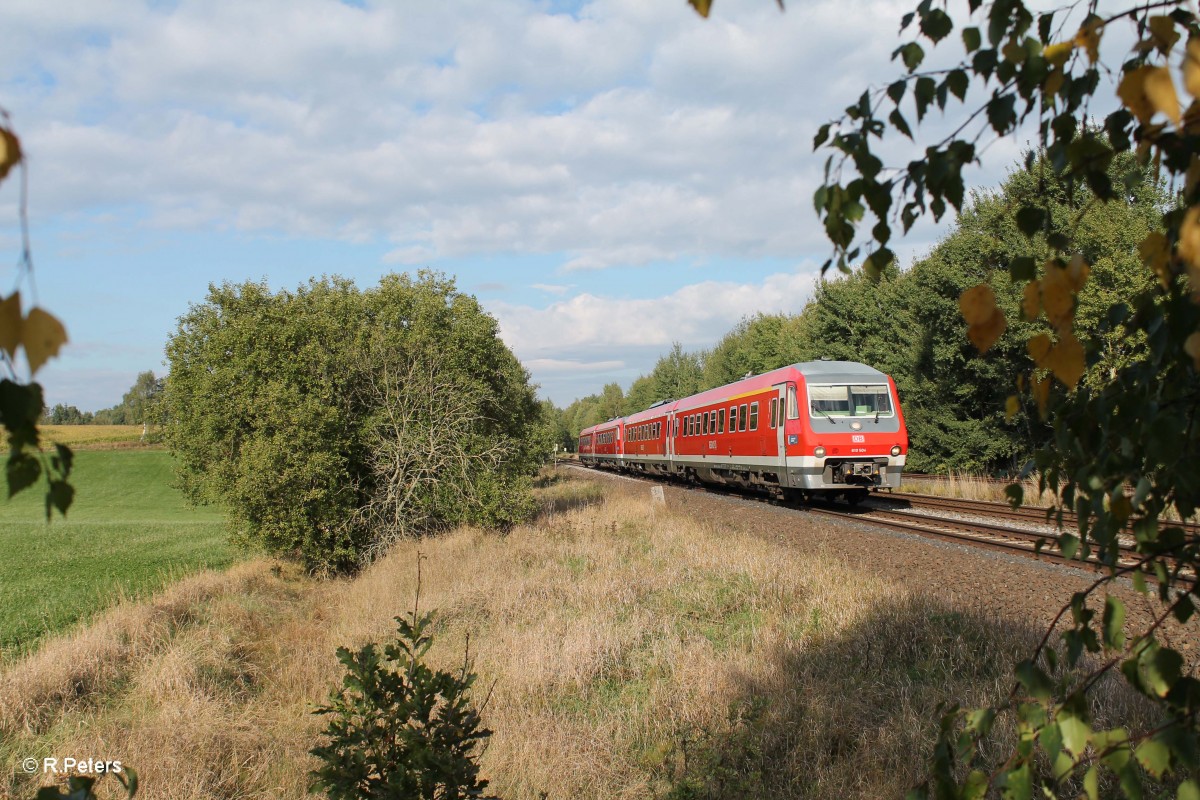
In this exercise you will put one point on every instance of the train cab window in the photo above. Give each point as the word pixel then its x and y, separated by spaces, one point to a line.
pixel 721 420
pixel 793 407
pixel 732 419
pixel 742 415
pixel 754 416
pixel 774 408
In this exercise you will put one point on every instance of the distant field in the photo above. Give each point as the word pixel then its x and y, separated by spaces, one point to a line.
pixel 92 436
pixel 128 532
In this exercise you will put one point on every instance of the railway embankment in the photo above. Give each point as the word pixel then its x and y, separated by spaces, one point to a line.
pixel 701 646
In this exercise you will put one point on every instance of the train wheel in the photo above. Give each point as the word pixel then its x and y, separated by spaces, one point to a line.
pixel 856 497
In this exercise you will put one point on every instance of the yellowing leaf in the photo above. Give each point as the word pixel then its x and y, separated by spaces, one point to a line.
pixel 1038 346
pixel 11 321
pixel 1156 255
pixel 984 334
pixel 1057 54
pixel 1146 90
pixel 977 304
pixel 1189 237
pixel 1054 81
pixel 42 335
pixel 1011 406
pixel 1191 68
pixel 702 6
pixel 1191 120
pixel 1014 52
pixel 1066 361
pixel 1163 33
pixel 1191 346
pixel 1088 38
pixel 1031 302
pixel 10 151
pixel 1058 298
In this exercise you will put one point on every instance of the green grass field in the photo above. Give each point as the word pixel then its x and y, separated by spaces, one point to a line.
pixel 127 533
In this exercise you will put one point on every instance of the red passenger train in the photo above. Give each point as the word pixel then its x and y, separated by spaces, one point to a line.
pixel 817 428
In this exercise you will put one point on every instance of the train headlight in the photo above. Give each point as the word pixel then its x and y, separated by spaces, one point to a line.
pixel 819 452
pixel 896 450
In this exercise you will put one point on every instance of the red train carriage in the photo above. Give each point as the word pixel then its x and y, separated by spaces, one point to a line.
pixel 603 444
pixel 647 439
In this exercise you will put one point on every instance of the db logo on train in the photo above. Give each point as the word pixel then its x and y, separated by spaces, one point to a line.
pixel 858 437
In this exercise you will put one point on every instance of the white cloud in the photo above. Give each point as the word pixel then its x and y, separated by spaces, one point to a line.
pixel 625 334
pixel 628 134
pixel 550 288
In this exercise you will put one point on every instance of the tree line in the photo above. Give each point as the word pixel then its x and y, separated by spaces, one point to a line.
pixel 139 406
pixel 907 324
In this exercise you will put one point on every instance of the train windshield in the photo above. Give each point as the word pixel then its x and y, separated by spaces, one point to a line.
pixel 850 401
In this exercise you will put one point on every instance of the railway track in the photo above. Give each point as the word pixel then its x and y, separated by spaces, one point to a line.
pixel 1002 528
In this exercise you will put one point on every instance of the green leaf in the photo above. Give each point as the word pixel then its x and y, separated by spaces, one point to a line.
pixel 972 40
pixel 896 91
pixel 1154 757
pixel 1016 784
pixel 975 786
pixel 1068 543
pixel 899 123
pixel 936 24
pixel 1035 681
pixel 59 496
pixel 958 82
pixel 822 136
pixel 1091 783
pixel 22 471
pixel 1114 623
pixel 912 55
pixel 1030 219
pixel 1075 733
pixel 1139 582
pixel 1160 668
pixel 1022 269
pixel 923 92
pixel 1001 113
pixel 1188 790
pixel 1183 609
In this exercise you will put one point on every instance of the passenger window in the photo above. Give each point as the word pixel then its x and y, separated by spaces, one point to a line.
pixel 774 404
pixel 732 419
pixel 742 418
pixel 721 421
pixel 754 416
pixel 712 422
pixel 704 423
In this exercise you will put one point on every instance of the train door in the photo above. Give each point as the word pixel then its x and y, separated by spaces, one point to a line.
pixel 779 415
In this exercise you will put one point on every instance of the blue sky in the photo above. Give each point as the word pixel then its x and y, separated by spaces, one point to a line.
pixel 607 177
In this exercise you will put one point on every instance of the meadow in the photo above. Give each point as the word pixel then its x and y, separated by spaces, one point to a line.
pixel 627 650
pixel 128 533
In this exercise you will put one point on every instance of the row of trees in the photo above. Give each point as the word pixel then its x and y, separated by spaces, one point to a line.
pixel 139 406
pixel 908 325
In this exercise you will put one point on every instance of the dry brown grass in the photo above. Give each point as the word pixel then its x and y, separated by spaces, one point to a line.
pixel 633 651
pixel 972 487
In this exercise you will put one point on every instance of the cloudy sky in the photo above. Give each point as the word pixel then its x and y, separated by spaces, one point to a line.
pixel 607 176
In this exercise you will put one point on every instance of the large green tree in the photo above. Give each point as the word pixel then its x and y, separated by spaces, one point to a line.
pixel 330 418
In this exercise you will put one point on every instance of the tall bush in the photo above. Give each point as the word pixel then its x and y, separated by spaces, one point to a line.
pixel 330 419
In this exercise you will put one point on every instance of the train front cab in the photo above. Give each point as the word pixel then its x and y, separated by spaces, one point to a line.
pixel 845 431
